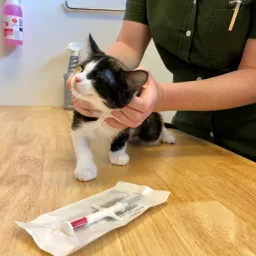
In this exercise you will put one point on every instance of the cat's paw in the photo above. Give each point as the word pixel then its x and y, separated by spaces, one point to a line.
pixel 86 172
pixel 167 137
pixel 118 158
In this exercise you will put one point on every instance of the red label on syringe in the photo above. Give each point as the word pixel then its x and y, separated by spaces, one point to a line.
pixel 80 222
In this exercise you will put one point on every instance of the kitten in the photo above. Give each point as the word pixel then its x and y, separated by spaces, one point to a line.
pixel 108 85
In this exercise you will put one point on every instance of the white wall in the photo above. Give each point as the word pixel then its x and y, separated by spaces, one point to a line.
pixel 32 74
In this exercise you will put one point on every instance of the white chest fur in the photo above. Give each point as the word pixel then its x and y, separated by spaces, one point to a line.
pixel 97 128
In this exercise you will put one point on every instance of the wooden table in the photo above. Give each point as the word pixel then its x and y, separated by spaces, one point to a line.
pixel 211 211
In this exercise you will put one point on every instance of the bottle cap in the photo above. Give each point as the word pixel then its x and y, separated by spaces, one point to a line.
pixel 74 48
pixel 12 2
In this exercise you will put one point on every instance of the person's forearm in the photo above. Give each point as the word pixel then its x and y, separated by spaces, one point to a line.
pixel 126 54
pixel 231 90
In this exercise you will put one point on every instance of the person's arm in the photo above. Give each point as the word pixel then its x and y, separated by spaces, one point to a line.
pixel 227 91
pixel 231 90
pixel 134 36
pixel 131 44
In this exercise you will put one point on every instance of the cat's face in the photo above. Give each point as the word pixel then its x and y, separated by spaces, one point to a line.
pixel 105 79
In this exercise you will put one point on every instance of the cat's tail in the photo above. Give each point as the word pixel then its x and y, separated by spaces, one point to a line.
pixel 171 126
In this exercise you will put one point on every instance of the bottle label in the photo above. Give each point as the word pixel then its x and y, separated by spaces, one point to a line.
pixel 13 27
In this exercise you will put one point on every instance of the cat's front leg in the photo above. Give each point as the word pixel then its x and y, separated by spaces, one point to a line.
pixel 85 168
pixel 117 154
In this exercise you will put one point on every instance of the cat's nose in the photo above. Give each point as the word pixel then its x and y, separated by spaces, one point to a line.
pixel 78 79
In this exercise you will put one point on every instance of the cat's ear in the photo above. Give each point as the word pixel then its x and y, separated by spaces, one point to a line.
pixel 136 79
pixel 93 47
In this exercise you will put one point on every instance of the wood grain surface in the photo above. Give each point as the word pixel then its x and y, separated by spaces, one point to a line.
pixel 211 210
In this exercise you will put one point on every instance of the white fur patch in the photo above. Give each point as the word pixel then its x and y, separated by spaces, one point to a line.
pixel 85 169
pixel 90 67
pixel 119 157
pixel 98 128
pixel 84 88
pixel 87 173
pixel 166 137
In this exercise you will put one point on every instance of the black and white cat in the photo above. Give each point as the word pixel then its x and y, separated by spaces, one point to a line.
pixel 109 85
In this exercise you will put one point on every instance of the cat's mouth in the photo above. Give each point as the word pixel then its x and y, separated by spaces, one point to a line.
pixel 80 89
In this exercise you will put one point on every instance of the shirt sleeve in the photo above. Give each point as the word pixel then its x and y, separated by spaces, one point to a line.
pixel 252 33
pixel 136 10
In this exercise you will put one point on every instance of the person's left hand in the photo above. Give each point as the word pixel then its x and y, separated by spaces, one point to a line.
pixel 140 107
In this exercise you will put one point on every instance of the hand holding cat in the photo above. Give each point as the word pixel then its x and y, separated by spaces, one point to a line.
pixel 140 107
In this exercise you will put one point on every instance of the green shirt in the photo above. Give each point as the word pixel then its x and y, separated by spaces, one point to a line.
pixel 194 43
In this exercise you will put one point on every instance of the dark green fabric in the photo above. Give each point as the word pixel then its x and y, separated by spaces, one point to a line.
pixel 193 40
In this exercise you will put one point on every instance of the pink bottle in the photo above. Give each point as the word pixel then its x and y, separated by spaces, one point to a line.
pixel 13 23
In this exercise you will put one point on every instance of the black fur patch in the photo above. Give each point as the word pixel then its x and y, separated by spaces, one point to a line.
pixel 151 128
pixel 78 119
pixel 171 126
pixel 119 142
pixel 114 85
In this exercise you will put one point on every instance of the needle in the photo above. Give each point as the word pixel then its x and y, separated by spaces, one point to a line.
pixel 69 227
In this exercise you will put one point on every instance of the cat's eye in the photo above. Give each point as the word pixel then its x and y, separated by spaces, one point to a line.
pixel 109 76
pixel 78 69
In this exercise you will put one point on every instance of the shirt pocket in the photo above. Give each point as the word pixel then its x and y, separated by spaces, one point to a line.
pixel 226 47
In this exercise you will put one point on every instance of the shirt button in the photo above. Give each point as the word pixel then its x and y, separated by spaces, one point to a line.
pixel 188 33
pixel 199 78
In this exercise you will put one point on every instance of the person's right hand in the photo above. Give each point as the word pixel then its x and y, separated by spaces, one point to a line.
pixel 82 106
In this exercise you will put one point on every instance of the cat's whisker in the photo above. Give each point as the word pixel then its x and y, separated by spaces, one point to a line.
pixel 77 96
pixel 82 90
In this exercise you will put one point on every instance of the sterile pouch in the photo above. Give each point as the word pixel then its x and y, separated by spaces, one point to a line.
pixel 72 227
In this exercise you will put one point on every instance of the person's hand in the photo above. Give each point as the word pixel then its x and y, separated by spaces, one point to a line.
pixel 140 107
pixel 82 106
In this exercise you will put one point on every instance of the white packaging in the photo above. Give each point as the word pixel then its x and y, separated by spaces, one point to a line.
pixel 47 231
